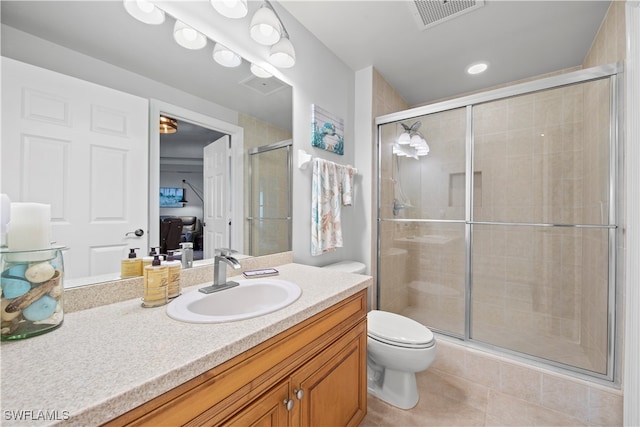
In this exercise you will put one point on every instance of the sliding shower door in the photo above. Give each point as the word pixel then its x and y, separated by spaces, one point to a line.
pixel 422 227
pixel 504 235
pixel 270 199
pixel 541 234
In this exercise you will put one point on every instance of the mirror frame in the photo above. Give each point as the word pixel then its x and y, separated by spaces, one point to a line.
pixel 236 199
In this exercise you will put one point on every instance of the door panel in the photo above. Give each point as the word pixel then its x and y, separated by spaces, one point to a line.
pixel 216 196
pixel 82 148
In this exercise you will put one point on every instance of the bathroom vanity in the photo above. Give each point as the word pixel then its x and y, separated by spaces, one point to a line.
pixel 311 374
pixel 121 364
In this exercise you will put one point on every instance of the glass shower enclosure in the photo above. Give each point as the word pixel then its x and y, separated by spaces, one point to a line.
pixel 269 217
pixel 504 235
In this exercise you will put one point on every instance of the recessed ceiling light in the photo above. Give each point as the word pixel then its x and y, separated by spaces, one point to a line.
pixel 477 67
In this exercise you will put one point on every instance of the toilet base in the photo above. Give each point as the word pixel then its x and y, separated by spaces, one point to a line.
pixel 397 388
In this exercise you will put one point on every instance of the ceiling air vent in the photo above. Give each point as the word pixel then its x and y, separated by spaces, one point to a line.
pixel 264 86
pixel 433 12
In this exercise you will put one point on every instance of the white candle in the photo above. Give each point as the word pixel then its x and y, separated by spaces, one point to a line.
pixel 30 227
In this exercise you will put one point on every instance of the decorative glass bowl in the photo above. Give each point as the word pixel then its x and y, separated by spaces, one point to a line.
pixel 32 287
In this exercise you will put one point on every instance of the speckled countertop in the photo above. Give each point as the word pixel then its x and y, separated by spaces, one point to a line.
pixel 107 360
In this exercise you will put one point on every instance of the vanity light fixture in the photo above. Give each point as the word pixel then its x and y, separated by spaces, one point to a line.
pixel 260 72
pixel 268 29
pixel 477 68
pixel 235 9
pixel 144 11
pixel 168 125
pixel 225 56
pixel 265 25
pixel 187 37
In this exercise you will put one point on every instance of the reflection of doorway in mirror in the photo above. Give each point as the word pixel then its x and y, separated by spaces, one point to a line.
pixel 184 158
pixel 187 162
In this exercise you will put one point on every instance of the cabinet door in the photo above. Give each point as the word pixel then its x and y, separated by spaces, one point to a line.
pixel 269 410
pixel 331 390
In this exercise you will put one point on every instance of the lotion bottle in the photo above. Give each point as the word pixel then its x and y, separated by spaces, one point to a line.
pixel 174 269
pixel 131 266
pixel 156 280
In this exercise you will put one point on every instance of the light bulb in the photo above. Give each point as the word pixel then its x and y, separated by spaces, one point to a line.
pixel 283 54
pixel 235 9
pixel 404 138
pixel 144 11
pixel 226 57
pixel 265 26
pixel 260 72
pixel 188 37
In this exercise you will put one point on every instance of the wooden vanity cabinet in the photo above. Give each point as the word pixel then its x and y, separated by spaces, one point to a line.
pixel 313 374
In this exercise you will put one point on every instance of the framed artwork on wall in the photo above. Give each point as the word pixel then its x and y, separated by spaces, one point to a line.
pixel 328 130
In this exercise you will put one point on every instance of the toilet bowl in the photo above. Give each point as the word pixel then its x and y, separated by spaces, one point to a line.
pixel 397 348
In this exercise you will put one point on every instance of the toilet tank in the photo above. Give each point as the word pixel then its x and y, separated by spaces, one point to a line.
pixel 348 266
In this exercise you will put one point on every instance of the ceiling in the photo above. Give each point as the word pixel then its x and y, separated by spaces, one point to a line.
pixel 519 39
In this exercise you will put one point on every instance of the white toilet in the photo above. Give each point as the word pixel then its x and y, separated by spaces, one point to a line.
pixel 397 348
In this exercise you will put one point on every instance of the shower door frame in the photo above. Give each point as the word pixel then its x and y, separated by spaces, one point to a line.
pixel 286 144
pixel 613 72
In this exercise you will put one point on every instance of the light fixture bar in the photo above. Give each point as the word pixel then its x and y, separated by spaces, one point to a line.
pixel 284 30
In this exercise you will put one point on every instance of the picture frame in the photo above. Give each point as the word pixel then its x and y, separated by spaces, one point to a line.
pixel 327 130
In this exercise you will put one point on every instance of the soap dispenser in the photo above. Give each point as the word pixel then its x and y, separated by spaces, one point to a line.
pixel 175 269
pixel 156 280
pixel 187 254
pixel 131 266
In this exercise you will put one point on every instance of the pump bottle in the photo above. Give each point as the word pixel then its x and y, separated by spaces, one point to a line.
pixel 156 280
pixel 131 266
pixel 175 269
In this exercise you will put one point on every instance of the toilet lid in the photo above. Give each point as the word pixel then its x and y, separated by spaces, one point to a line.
pixel 397 330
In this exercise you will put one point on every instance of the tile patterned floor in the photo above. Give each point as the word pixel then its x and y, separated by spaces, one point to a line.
pixel 444 402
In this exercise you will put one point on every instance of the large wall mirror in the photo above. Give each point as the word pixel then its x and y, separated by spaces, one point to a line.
pixel 208 101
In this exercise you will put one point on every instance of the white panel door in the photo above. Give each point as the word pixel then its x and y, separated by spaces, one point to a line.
pixel 82 148
pixel 217 216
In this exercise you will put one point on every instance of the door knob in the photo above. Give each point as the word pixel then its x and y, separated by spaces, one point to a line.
pixel 139 232
pixel 299 393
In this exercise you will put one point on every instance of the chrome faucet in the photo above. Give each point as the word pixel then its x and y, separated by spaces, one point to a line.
pixel 220 271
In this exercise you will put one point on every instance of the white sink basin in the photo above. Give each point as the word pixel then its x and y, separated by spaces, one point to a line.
pixel 251 298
